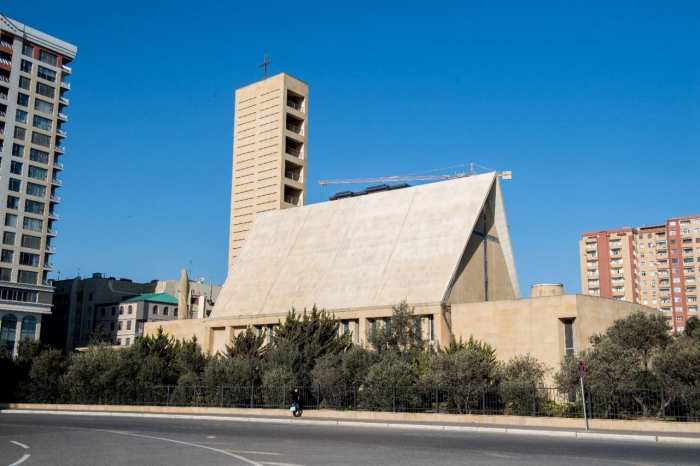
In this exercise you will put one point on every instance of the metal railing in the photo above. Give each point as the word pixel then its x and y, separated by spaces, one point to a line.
pixel 293 129
pixel 291 200
pixel 65 84
pixel 55 198
pixel 63 100
pixel 292 176
pixel 679 404
pixel 67 69
pixel 60 148
pixel 294 152
pixel 4 79
pixel 58 165
pixel 5 61
pixel 48 265
pixel 51 249
pixel 62 132
pixel 5 44
pixel 54 215
pixel 56 181
pixel 52 231
pixel 63 116
pixel 295 106
pixel 3 96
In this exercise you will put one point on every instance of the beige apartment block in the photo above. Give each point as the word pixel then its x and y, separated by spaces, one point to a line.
pixel 269 152
pixel 656 266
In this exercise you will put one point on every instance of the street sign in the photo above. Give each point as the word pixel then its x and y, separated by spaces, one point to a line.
pixel 581 368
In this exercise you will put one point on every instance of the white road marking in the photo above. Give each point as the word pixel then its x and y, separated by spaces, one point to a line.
pixel 282 464
pixel 21 460
pixel 20 444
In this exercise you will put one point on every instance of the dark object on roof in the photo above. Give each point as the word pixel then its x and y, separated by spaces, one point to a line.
pixel 368 190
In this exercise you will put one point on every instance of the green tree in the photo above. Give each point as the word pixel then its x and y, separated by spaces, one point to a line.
pixel 190 362
pixel 92 375
pixel 679 364
pixel 100 335
pixel 248 344
pixel 692 327
pixel 521 379
pixel 392 377
pixel 401 333
pixel 45 374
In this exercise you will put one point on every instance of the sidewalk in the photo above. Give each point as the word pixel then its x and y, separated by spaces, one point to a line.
pixel 312 418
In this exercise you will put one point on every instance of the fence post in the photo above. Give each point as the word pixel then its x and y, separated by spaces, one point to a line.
pixel 222 396
pixel 354 397
pixel 318 398
pixel 483 400
pixel 167 400
pixel 252 393
pixel 393 396
pixel 590 403
pixel 534 401
pixel 663 404
pixel 437 401
pixel 284 395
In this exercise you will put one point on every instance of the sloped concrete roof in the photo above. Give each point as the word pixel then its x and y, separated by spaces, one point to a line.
pixel 363 252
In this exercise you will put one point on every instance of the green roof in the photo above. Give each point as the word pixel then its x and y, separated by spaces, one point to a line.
pixel 165 298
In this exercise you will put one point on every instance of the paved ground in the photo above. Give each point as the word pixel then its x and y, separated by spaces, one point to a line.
pixel 90 440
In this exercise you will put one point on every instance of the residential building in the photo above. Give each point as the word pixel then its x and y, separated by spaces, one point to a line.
pixel 270 152
pixel 78 304
pixel 125 320
pixel 657 266
pixel 34 81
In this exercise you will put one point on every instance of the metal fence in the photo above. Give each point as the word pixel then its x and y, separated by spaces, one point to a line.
pixel 663 404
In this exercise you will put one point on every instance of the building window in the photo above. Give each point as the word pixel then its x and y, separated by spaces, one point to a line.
pixel 155 310
pixel 8 332
pixel 41 139
pixel 43 106
pixel 13 294
pixel 121 310
pixel 28 328
pixel 25 276
pixel 31 260
pixel 42 123
pixel 45 90
pixel 12 202
pixel 17 150
pixel 128 325
pixel 20 116
pixel 20 133
pixel 679 318
pixel 6 256
pixel 40 156
pixel 119 341
pixel 16 168
pixel 8 238
pixel 14 185
pixel 568 336
pixel 5 274
pixel 120 325
pixel 47 74
pixel 175 312
pixel 10 220
pixel 37 173
pixel 48 58
pixel 33 224
pixel 31 242
pixel 111 326
pixel 37 190
pixel 130 309
pixel 34 207
pixel 26 66
pixel 128 341
pixel 23 100
pixel 27 50
pixel 25 83
pixel 166 311
pixel 114 310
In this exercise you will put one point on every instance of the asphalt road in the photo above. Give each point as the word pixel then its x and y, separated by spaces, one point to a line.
pixel 86 440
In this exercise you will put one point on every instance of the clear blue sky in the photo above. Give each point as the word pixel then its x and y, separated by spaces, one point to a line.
pixel 590 104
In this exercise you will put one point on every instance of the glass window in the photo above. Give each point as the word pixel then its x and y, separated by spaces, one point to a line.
pixel 12 202
pixel 25 83
pixel 166 311
pixel 25 276
pixel 47 74
pixel 37 190
pixel 37 173
pixel 111 326
pixel 43 106
pixel 45 90
pixel 10 220
pixel 130 309
pixel 8 331
pixel 40 156
pixel 21 116
pixel 42 123
pixel 20 133
pixel 17 150
pixel 34 207
pixel 128 326
pixel 175 312
pixel 48 58
pixel 28 328
pixel 120 325
pixel 128 341
pixel 22 99
pixel 27 50
pixel 26 66
pixel 41 139
pixel 14 185
pixel 8 238
pixel 7 256
pixel 16 168
pixel 33 224
pixel 29 259
pixel 114 310
pixel 31 242
pixel 568 336
pixel 121 310
pixel 5 274
pixel 155 310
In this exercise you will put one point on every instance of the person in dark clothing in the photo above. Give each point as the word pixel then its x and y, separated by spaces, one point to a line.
pixel 296 402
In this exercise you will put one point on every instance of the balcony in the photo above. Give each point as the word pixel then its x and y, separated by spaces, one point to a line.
pixel 52 232
pixel 62 100
pixel 292 176
pixel 3 96
pixel 51 249
pixel 5 61
pixel 62 116
pixel 295 106
pixel 48 265
pixel 2 113
pixel 293 129
pixel 56 182
pixel 65 85
pixel 58 165
pixel 67 69
pixel 4 79
pixel 6 45
pixel 61 132
pixel 291 200
pixel 55 198
pixel 294 152
pixel 60 148
pixel 53 215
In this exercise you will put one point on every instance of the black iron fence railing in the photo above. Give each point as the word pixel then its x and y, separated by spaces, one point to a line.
pixel 601 403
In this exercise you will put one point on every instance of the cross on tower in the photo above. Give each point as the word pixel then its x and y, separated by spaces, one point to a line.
pixel 264 64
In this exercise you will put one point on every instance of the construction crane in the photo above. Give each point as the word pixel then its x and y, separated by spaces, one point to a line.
pixel 419 176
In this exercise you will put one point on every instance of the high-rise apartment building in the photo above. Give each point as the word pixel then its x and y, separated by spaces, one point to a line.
pixel 33 83
pixel 657 266
pixel 269 152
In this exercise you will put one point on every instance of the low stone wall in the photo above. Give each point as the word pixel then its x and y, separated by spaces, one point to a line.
pixel 501 420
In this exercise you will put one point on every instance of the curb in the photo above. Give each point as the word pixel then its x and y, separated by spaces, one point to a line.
pixel 379 425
